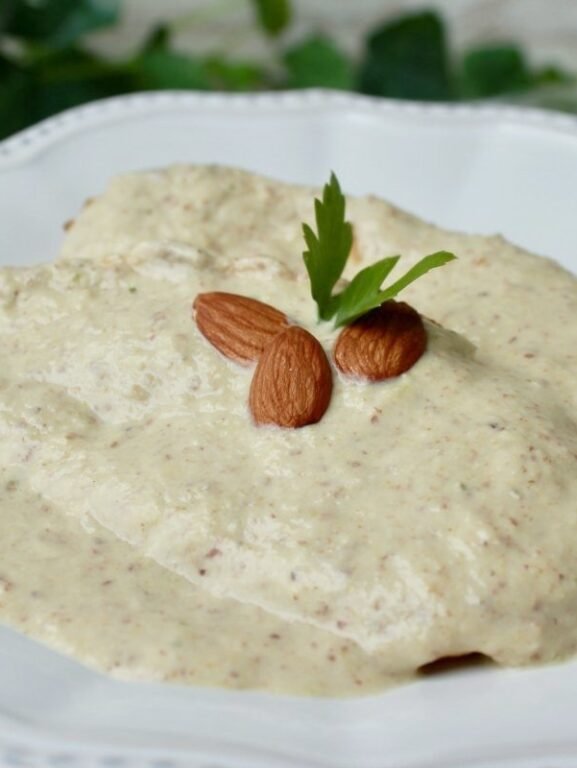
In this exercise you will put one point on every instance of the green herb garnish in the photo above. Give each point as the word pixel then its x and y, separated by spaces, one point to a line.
pixel 326 257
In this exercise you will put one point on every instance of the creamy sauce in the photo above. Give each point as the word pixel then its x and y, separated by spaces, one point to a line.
pixel 87 594
pixel 427 516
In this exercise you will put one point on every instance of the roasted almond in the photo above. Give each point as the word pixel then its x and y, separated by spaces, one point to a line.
pixel 381 344
pixel 237 326
pixel 292 382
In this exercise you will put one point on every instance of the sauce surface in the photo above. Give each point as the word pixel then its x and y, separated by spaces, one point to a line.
pixel 428 516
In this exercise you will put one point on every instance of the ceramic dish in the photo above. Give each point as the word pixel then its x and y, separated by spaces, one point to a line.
pixel 478 169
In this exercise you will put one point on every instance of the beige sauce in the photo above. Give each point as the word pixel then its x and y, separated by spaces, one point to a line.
pixel 428 516
pixel 87 594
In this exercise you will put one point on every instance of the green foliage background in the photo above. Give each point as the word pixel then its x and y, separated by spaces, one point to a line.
pixel 45 66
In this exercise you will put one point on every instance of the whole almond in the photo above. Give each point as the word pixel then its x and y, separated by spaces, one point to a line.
pixel 292 382
pixel 381 344
pixel 238 326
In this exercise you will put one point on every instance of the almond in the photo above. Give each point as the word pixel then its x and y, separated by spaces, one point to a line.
pixel 237 326
pixel 381 344
pixel 292 382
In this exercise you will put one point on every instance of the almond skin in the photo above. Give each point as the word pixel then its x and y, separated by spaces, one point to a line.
pixel 237 326
pixel 381 344
pixel 292 382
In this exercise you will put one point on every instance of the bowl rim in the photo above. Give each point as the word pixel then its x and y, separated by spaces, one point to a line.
pixel 32 140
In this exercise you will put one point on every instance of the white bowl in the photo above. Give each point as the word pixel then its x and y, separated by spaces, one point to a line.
pixel 482 170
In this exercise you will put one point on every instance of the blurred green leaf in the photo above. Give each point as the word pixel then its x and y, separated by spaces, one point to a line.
pixel 158 39
pixel 158 70
pixel 562 97
pixel 47 70
pixel 158 67
pixel 234 76
pixel 318 63
pixel 493 70
pixel 71 77
pixel 57 81
pixel 16 94
pixel 71 64
pixel 6 12
pixel 550 75
pixel 273 15
pixel 58 23
pixel 408 58
pixel 55 97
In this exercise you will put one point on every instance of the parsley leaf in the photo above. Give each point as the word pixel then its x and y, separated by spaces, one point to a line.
pixel 363 294
pixel 327 256
pixel 438 259
pixel 328 251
